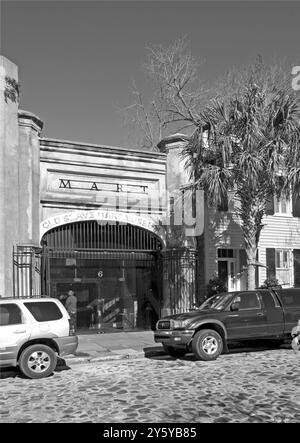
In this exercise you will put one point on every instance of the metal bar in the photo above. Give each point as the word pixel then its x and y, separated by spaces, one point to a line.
pixel 121 236
pixel 134 235
pixel 99 235
pixel 93 235
pixel 127 234
pixel 14 274
pixel 83 239
pixel 18 274
pixel 115 234
pixel 30 274
pixel 80 227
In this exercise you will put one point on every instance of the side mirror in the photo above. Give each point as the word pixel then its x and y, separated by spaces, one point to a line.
pixel 235 306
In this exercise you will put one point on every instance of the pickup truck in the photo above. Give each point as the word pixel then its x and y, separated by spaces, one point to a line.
pixel 261 314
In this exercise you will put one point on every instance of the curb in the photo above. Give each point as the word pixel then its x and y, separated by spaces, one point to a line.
pixel 112 356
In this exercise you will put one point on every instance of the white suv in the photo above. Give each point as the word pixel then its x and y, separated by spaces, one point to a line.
pixel 33 331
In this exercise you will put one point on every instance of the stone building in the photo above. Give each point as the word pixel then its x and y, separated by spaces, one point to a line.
pixel 93 219
pixel 113 224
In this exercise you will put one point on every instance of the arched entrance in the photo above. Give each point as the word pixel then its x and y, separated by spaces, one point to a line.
pixel 112 265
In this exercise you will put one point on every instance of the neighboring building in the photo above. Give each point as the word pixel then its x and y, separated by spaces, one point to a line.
pixel 112 224
pixel 278 248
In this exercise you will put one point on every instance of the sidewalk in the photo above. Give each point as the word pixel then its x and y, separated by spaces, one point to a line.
pixel 114 346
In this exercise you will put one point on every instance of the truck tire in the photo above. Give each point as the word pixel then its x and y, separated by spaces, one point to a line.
pixel 37 361
pixel 174 352
pixel 207 345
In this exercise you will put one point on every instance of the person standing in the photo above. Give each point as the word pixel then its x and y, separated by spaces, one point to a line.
pixel 71 307
pixel 96 307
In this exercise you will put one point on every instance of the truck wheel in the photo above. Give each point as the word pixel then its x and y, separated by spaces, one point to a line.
pixel 207 345
pixel 37 361
pixel 174 352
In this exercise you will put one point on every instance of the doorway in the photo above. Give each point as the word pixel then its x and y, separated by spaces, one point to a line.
pixel 227 269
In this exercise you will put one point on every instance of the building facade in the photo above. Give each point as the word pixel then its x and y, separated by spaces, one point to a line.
pixel 114 225
pixel 93 219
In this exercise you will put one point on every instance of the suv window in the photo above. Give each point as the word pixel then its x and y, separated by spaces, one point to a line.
pixel 247 300
pixel 290 297
pixel 10 314
pixel 269 299
pixel 44 311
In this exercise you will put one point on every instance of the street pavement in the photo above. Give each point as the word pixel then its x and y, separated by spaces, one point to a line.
pixel 258 385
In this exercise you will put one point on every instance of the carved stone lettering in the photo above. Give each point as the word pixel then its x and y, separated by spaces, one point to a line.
pixel 65 183
pixel 94 187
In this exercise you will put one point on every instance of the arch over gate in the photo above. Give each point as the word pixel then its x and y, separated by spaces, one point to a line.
pixel 92 235
pixel 102 217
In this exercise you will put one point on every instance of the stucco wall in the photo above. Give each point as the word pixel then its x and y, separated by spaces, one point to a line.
pixel 82 176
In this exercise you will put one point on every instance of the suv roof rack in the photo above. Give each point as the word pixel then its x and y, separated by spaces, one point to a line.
pixel 25 297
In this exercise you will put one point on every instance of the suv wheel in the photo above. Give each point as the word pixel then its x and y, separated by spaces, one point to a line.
pixel 37 361
pixel 174 352
pixel 207 345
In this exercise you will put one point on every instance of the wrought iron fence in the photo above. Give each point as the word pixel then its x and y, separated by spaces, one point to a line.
pixel 175 272
pixel 181 279
pixel 26 271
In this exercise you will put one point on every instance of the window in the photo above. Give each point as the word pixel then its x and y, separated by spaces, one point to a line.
pixel 283 265
pixel 269 300
pixel 225 253
pixel 10 314
pixel 247 300
pixel 282 206
pixel 290 297
pixel 44 311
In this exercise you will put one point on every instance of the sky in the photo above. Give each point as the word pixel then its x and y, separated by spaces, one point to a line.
pixel 77 59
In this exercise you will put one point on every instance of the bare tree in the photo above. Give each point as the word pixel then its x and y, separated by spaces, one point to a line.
pixel 143 120
pixel 177 97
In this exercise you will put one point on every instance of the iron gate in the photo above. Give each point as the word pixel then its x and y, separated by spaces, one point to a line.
pixel 26 271
pixel 79 249
pixel 176 272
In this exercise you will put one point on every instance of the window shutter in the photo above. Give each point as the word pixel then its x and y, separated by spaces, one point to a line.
pixel 256 271
pixel 223 207
pixel 270 258
pixel 243 267
pixel 270 205
pixel 296 206
pixel 243 259
pixel 297 267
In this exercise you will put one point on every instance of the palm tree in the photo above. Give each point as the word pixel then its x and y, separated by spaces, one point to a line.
pixel 248 145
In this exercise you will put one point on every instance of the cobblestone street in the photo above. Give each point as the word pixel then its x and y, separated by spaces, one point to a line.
pixel 241 387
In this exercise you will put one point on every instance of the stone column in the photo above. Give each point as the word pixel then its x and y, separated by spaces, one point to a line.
pixel 27 279
pixel 9 180
pixel 30 127
pixel 182 237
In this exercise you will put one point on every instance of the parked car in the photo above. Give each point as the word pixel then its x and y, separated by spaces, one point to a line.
pixel 230 317
pixel 33 331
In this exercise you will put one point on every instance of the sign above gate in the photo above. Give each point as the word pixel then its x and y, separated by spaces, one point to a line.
pixel 101 216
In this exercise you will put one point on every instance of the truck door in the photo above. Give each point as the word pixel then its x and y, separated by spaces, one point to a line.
pixel 274 312
pixel 290 299
pixel 249 320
